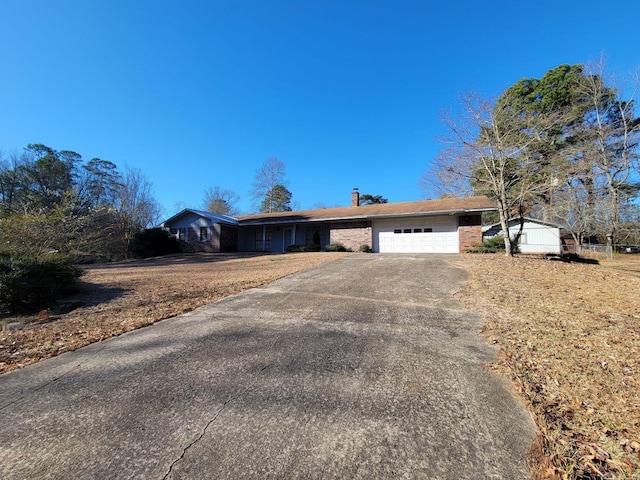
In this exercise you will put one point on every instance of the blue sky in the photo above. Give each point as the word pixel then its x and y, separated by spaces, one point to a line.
pixel 346 93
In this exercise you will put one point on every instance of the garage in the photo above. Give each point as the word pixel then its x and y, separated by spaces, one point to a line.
pixel 416 235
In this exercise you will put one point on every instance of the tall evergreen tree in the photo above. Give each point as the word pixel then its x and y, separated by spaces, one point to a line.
pixel 368 199
pixel 278 199
pixel 269 176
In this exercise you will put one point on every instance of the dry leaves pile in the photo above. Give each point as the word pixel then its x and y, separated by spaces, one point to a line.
pixel 117 298
pixel 570 338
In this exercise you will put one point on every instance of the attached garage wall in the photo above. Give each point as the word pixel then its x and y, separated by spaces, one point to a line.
pixel 469 231
pixel 416 235
pixel 351 234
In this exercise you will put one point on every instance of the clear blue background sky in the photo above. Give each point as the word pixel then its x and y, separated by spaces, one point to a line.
pixel 347 93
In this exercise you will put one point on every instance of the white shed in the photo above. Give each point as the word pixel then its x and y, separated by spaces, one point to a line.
pixel 537 236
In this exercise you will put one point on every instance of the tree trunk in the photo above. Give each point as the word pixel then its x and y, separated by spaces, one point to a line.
pixel 503 210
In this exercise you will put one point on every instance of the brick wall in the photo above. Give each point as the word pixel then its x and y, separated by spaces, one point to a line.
pixel 469 231
pixel 351 234
pixel 470 236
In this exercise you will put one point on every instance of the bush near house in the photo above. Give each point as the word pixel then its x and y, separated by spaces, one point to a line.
pixel 303 248
pixel 153 242
pixel 30 284
pixel 489 245
pixel 365 248
pixel 335 247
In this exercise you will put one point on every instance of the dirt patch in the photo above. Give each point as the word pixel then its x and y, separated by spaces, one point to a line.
pixel 116 298
pixel 569 335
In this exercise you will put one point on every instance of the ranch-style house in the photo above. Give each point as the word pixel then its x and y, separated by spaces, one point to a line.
pixel 447 225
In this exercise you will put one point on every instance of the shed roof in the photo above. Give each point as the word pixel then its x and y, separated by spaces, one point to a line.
pixel 443 206
pixel 513 221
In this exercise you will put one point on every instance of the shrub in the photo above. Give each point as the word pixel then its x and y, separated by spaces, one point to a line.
pixel 153 242
pixel 335 247
pixel 491 245
pixel 365 248
pixel 28 284
pixel 303 248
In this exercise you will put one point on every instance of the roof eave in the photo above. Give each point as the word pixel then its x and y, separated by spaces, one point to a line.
pixel 461 211
pixel 526 219
pixel 281 221
pixel 253 223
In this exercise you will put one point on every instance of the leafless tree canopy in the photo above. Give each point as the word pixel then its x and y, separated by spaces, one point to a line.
pixel 221 200
pixel 271 174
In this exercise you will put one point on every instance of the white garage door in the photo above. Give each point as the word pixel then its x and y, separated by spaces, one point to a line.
pixel 421 235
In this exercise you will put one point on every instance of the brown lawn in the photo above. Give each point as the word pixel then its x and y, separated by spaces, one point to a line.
pixel 570 339
pixel 116 298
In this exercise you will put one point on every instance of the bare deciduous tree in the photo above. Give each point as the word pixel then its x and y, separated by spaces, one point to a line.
pixel 486 154
pixel 136 206
pixel 221 200
pixel 268 176
pixel 613 131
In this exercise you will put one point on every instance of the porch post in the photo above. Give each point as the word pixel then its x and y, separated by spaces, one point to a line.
pixel 264 237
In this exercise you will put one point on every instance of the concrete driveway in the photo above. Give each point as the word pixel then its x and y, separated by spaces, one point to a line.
pixel 362 368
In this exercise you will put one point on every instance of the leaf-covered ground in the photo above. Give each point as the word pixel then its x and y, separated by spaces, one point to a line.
pixel 570 338
pixel 116 298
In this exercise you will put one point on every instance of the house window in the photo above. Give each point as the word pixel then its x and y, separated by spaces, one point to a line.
pixel 428 230
pixel 407 230
pixel 204 234
pixel 259 243
pixel 182 234
pixel 417 230
pixel 397 230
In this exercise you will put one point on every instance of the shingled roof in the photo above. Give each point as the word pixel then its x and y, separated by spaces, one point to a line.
pixel 443 206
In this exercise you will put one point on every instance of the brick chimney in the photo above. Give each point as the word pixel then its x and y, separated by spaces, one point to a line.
pixel 355 198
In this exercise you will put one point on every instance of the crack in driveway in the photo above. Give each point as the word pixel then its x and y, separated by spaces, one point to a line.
pixel 212 421
pixel 223 407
